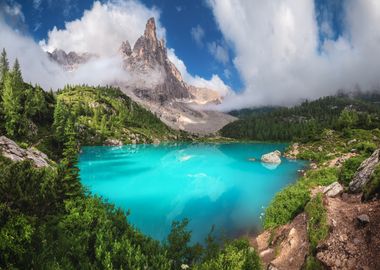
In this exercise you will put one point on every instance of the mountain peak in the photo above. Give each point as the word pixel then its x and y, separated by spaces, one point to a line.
pixel 150 29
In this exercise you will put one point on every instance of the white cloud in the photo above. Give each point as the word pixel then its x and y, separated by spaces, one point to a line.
pixel 37 4
pixel 113 20
pixel 103 28
pixel 198 33
pixel 101 31
pixel 219 52
pixel 277 49
pixel 214 83
pixel 14 10
pixel 37 68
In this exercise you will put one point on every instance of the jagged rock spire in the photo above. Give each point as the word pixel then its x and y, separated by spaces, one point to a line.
pixel 150 30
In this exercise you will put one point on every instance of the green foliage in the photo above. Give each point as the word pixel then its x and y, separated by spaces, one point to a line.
pixel 305 122
pixel 291 201
pixel 285 205
pixel 365 147
pixel 105 112
pixel 236 255
pixel 23 107
pixel 373 186
pixel 347 118
pixel 349 168
pixel 28 189
pixel 312 264
pixel 4 65
pixel 317 226
pixel 11 105
pixel 177 245
pixel 15 237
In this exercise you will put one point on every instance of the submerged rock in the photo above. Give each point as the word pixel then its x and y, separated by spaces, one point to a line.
pixel 364 172
pixel 272 157
pixel 333 190
pixel 11 150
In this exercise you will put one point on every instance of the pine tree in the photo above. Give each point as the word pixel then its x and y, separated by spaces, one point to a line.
pixel 11 106
pixel 60 118
pixel 4 65
pixel 70 185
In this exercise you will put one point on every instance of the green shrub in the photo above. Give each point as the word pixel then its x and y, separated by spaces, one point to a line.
pixel 236 255
pixel 349 168
pixel 291 201
pixel 317 226
pixel 312 156
pixel 321 177
pixel 286 205
pixel 312 264
pixel 365 147
pixel 373 186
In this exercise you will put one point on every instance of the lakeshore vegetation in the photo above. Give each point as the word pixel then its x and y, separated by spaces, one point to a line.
pixel 48 220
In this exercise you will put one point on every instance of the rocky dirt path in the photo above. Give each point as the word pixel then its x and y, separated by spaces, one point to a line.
pixel 352 244
pixel 286 247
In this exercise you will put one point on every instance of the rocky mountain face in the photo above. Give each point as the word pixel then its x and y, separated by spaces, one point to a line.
pixel 69 61
pixel 156 83
pixel 160 87
pixel 149 56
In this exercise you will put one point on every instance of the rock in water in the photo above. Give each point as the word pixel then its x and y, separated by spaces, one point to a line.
pixel 113 142
pixel 333 190
pixel 364 172
pixel 11 150
pixel 272 157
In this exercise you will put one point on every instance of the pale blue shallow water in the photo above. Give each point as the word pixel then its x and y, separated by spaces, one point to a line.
pixel 211 184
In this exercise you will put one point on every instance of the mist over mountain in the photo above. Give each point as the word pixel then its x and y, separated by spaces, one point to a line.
pixel 284 52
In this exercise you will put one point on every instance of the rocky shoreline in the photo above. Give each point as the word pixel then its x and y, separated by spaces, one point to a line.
pixel 353 240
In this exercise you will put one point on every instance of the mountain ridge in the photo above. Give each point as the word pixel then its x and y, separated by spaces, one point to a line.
pixel 157 84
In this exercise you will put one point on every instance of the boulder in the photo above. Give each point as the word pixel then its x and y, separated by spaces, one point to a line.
pixel 362 219
pixel 364 172
pixel 113 142
pixel 272 157
pixel 11 150
pixel 333 190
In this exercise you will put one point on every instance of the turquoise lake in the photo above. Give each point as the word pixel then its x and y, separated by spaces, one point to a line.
pixel 211 184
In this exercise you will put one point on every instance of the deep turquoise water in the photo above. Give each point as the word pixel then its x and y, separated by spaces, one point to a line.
pixel 211 184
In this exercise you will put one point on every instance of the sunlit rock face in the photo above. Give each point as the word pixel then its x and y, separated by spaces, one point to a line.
pixel 152 80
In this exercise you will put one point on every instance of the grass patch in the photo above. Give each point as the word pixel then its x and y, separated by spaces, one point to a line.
pixel 312 264
pixel 292 200
pixel 317 226
pixel 349 168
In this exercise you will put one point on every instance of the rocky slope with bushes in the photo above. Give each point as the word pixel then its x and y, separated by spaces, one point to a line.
pixel 329 218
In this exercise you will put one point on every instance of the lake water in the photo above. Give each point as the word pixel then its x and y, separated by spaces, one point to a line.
pixel 211 184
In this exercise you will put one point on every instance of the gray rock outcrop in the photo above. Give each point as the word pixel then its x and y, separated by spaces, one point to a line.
pixel 113 142
pixel 364 172
pixel 272 157
pixel 333 190
pixel 11 150
pixel 69 61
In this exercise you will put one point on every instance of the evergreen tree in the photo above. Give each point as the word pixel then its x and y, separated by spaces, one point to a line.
pixel 4 65
pixel 69 164
pixel 60 118
pixel 11 105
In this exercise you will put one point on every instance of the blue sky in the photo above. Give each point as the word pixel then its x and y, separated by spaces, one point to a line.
pixel 178 17
pixel 272 52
